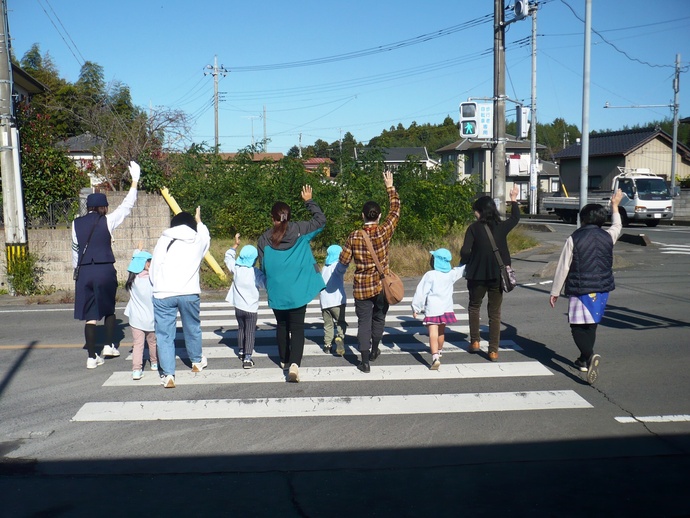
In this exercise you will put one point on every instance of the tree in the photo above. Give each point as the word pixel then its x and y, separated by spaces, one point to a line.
pixel 48 174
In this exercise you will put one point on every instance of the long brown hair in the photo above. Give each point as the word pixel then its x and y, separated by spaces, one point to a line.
pixel 281 215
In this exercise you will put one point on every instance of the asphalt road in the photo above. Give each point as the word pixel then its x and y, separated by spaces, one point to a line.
pixel 619 447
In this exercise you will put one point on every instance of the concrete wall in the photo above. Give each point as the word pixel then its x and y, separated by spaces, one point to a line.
pixel 149 217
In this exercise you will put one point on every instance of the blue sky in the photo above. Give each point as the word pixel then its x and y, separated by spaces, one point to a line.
pixel 364 66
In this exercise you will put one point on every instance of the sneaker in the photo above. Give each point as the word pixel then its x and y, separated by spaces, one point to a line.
pixel 168 381
pixel 283 366
pixel 493 356
pixel 593 368
pixel 198 367
pixel 240 354
pixel 293 373
pixel 110 351
pixel 327 349
pixel 154 366
pixel 435 364
pixel 440 353
pixel 136 375
pixel 92 363
pixel 474 347
pixel 339 346
pixel 581 365
pixel 248 363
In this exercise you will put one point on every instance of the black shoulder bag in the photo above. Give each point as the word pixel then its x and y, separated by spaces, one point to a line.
pixel 508 281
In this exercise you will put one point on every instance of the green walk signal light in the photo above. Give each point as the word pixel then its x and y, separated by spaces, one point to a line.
pixel 469 129
pixel 468 120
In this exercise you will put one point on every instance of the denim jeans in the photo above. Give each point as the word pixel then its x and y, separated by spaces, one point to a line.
pixel 165 316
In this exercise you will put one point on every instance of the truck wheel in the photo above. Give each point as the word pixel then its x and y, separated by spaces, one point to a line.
pixel 652 222
pixel 624 218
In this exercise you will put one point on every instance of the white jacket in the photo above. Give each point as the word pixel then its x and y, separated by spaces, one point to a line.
pixel 246 281
pixel 140 306
pixel 175 267
pixel 334 293
pixel 434 294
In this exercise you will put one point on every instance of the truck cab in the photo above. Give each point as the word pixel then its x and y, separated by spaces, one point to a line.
pixel 646 199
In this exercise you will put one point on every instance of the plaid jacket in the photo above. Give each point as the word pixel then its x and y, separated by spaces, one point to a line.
pixel 367 281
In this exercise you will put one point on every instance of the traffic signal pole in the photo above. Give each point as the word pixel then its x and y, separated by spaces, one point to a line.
pixel 499 151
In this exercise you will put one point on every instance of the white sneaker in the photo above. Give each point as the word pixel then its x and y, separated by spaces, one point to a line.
pixel 137 375
pixel 198 367
pixel 154 366
pixel 293 374
pixel 92 363
pixel 168 381
pixel 111 351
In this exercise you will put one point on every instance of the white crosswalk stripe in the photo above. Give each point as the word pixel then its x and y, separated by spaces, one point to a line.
pixel 332 406
pixel 404 337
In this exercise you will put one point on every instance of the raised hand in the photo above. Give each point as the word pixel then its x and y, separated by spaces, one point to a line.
pixel 306 192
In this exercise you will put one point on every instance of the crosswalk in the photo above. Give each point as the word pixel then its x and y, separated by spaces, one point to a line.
pixel 404 351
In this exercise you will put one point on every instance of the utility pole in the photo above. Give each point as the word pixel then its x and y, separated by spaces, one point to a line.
pixel 215 72
pixel 533 173
pixel 676 87
pixel 12 197
pixel 584 159
pixel 674 109
pixel 499 152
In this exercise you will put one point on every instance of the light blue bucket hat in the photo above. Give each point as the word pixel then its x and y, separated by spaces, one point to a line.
pixel 442 259
pixel 247 256
pixel 332 254
pixel 136 265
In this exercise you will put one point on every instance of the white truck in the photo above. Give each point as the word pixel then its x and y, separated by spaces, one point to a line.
pixel 646 199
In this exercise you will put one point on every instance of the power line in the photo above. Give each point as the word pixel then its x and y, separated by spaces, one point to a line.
pixel 370 51
pixel 631 58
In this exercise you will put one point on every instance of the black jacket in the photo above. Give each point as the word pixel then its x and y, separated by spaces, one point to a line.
pixel 477 253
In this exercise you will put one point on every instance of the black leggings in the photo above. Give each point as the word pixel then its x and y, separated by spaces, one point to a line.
pixel 584 335
pixel 290 334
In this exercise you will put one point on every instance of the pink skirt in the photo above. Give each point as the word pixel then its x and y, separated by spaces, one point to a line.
pixel 446 318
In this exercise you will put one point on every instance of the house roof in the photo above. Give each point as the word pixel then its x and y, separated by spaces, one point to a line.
pixel 26 81
pixel 512 144
pixel 399 154
pixel 618 143
pixel 79 143
pixel 317 161
pixel 256 157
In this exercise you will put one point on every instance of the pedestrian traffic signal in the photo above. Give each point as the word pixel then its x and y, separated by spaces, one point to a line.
pixel 468 120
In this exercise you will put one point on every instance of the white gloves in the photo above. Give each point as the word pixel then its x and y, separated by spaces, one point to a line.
pixel 134 171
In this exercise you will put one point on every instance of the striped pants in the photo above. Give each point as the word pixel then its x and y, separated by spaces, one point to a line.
pixel 246 330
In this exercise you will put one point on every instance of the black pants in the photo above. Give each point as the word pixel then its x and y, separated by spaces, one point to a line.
pixel 290 334
pixel 584 335
pixel 371 319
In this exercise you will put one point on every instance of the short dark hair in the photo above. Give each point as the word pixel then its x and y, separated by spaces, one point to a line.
pixel 183 218
pixel 593 214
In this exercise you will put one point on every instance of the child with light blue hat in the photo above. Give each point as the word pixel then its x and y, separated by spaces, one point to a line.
pixel 434 298
pixel 244 295
pixel 333 300
pixel 139 310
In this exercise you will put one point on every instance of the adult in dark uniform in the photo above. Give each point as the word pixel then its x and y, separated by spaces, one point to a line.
pixel 92 256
